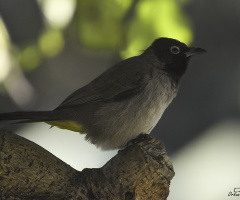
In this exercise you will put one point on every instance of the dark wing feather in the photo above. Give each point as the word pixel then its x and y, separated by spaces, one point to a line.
pixel 119 82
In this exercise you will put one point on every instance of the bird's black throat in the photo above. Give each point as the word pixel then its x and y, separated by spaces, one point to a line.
pixel 176 70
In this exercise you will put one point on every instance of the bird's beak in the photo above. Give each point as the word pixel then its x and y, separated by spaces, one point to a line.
pixel 194 51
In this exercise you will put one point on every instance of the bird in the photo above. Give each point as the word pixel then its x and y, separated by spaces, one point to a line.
pixel 126 100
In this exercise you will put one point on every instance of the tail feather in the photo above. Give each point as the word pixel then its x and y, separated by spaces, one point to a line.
pixel 31 116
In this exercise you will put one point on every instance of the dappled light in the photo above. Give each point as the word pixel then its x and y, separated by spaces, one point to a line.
pixel 58 13
pixel 51 42
pixel 5 56
pixel 100 24
pixel 155 19
pixel 29 57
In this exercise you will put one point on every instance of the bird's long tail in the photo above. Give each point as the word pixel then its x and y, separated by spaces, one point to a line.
pixel 54 118
pixel 31 116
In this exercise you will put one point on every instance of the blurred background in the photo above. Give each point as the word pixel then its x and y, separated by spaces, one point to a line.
pixel 50 48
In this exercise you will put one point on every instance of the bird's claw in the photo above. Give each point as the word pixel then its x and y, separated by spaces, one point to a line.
pixel 138 139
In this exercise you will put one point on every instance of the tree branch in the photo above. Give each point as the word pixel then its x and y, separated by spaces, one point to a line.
pixel 27 171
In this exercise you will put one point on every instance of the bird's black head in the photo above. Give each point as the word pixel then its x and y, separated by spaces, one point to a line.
pixel 174 55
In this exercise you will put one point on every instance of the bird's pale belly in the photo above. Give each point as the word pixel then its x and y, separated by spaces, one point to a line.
pixel 122 121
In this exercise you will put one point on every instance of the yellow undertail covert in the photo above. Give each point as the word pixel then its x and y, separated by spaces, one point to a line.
pixel 70 125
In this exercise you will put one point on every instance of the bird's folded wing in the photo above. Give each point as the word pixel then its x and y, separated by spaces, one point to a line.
pixel 114 84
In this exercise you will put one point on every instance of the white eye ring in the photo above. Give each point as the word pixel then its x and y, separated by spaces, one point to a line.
pixel 175 50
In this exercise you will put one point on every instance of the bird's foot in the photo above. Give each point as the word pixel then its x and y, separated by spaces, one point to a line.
pixel 138 139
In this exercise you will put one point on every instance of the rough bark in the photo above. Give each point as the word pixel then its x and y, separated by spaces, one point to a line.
pixel 27 171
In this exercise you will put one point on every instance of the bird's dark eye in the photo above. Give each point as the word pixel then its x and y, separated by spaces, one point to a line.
pixel 175 50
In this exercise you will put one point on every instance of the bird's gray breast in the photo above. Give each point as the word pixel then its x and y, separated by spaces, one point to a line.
pixel 117 122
